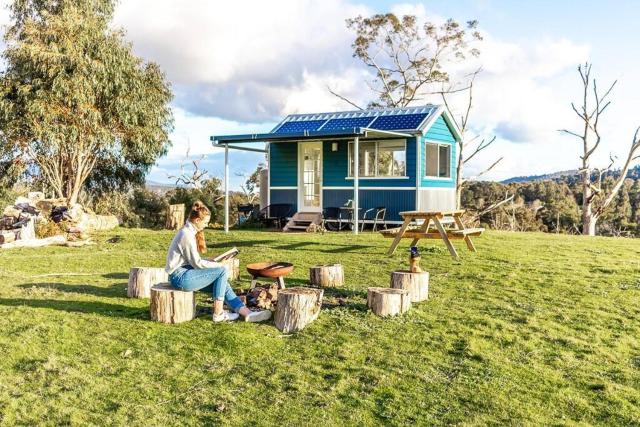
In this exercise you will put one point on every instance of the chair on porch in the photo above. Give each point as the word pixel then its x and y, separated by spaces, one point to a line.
pixel 332 219
pixel 376 214
pixel 275 214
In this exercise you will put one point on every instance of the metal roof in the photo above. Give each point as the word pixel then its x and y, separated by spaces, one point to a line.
pixel 378 122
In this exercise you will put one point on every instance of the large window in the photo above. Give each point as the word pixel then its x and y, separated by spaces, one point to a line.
pixel 438 160
pixel 380 158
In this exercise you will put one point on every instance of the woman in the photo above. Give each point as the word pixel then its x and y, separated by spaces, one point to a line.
pixel 189 272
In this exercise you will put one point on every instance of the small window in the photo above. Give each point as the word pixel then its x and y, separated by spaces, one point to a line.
pixel 380 158
pixel 438 160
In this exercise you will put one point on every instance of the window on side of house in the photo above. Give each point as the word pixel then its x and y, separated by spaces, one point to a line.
pixel 380 158
pixel 438 160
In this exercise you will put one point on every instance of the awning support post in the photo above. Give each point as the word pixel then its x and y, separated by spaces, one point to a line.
pixel 356 182
pixel 226 188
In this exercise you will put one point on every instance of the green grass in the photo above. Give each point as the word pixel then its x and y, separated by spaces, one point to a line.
pixel 533 329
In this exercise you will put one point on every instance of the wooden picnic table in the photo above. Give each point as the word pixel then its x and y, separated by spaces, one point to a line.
pixel 438 218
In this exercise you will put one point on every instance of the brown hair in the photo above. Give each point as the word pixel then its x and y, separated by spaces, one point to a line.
pixel 198 212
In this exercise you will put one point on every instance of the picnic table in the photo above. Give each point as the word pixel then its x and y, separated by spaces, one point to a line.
pixel 423 231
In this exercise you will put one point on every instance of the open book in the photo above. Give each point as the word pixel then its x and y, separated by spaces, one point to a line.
pixel 231 253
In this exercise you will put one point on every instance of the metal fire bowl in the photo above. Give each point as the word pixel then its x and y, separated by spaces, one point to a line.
pixel 269 269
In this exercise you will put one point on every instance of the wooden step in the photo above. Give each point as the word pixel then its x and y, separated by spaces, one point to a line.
pixel 303 221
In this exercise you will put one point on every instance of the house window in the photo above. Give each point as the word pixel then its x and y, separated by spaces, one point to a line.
pixel 380 158
pixel 438 160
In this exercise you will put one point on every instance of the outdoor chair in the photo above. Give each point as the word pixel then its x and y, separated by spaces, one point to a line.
pixel 332 219
pixel 245 212
pixel 376 214
pixel 276 214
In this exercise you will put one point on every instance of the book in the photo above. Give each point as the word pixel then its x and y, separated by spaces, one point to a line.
pixel 231 253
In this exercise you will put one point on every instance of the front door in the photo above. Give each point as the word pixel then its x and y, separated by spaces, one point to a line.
pixel 310 176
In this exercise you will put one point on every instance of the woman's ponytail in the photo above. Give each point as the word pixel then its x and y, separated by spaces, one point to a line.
pixel 198 212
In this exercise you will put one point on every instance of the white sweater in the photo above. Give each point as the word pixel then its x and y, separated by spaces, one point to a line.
pixel 184 251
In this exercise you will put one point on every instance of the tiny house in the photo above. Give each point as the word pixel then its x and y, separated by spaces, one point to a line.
pixel 400 158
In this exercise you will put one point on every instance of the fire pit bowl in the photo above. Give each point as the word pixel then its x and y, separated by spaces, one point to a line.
pixel 269 269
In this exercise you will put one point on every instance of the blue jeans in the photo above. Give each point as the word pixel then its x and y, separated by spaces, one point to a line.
pixel 212 280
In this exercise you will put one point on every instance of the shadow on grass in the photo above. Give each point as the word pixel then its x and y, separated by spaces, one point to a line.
pixel 118 290
pixel 240 244
pixel 347 298
pixel 88 307
pixel 323 247
pixel 116 275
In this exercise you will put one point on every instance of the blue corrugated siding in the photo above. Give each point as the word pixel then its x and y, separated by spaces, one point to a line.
pixel 439 132
pixel 336 168
pixel 394 200
pixel 284 196
pixel 284 164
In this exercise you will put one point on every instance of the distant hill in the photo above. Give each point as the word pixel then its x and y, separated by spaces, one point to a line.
pixel 160 187
pixel 634 173
pixel 529 178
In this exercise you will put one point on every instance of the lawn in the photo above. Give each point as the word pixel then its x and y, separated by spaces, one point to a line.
pixel 533 329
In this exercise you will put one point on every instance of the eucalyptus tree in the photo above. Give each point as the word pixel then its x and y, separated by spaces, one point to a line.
pixel 596 197
pixel 74 96
pixel 413 60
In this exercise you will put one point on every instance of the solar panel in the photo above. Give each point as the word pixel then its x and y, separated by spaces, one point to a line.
pixel 398 121
pixel 300 126
pixel 347 123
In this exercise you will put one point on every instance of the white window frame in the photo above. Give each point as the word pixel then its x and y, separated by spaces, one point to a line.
pixel 376 176
pixel 435 177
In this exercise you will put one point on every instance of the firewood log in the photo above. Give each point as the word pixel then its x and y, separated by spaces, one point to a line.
pixel 416 283
pixel 388 301
pixel 141 279
pixel 297 307
pixel 7 237
pixel 330 275
pixel 171 305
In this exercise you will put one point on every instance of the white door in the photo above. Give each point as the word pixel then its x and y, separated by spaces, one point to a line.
pixel 310 176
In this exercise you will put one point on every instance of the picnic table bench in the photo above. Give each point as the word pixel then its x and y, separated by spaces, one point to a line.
pixel 423 231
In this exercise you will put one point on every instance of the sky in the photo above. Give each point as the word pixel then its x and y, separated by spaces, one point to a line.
pixel 241 66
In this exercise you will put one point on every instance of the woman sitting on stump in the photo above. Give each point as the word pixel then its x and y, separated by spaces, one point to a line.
pixel 189 272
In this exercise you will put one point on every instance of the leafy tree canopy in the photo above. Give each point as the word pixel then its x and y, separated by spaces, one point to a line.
pixel 74 96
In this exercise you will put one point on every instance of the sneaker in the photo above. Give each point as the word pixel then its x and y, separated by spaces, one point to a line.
pixel 225 316
pixel 258 316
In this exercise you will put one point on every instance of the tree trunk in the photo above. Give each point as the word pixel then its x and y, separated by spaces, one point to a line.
pixel 459 178
pixel 297 307
pixel 416 283
pixel 171 305
pixel 330 275
pixel 388 302
pixel 588 219
pixel 141 279
pixel 175 217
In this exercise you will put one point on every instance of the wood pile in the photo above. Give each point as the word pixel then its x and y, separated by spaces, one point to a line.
pixel 264 297
pixel 17 223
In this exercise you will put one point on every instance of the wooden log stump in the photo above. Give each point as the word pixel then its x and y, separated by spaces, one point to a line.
pixel 175 217
pixel 233 268
pixel 388 301
pixel 172 305
pixel 417 283
pixel 297 307
pixel 141 279
pixel 326 276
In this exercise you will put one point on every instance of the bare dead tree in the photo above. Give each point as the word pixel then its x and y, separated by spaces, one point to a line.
pixel 594 103
pixel 475 144
pixel 191 173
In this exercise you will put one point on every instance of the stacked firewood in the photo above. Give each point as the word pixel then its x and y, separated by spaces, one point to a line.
pixel 263 296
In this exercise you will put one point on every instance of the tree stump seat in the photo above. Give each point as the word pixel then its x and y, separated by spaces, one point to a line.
pixel 388 301
pixel 326 276
pixel 417 283
pixel 141 279
pixel 297 307
pixel 172 305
